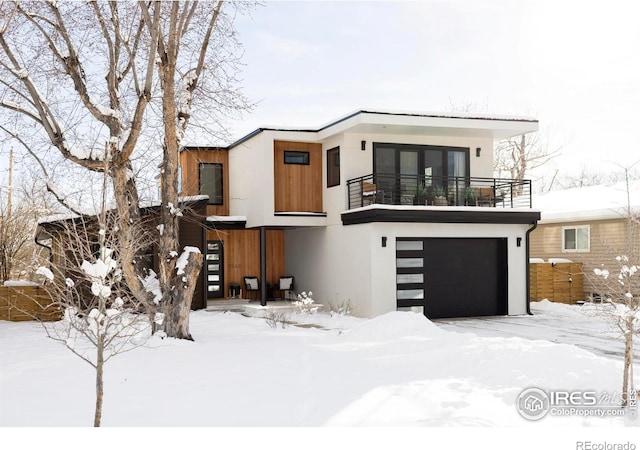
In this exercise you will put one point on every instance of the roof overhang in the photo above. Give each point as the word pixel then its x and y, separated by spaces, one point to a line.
pixel 431 124
pixel 492 126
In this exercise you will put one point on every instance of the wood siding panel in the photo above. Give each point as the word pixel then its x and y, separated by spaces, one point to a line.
pixel 242 254
pixel 608 239
pixel 191 233
pixel 190 160
pixel 275 255
pixel 297 187
pixel 25 303
pixel 562 282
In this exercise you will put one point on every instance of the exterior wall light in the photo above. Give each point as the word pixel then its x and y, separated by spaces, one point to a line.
pixel 363 145
pixel 478 150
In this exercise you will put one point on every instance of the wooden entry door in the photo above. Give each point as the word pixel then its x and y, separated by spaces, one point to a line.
pixel 214 269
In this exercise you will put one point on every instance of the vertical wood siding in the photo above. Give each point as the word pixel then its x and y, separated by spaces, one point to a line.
pixel 242 254
pixel 562 282
pixel 297 187
pixel 190 160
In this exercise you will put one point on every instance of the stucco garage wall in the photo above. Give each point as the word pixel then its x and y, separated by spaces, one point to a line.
pixel 349 262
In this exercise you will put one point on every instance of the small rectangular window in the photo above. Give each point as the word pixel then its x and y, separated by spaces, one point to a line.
pixel 296 157
pixel 333 167
pixel 211 182
pixel 410 294
pixel 409 245
pixel 409 262
pixel 576 239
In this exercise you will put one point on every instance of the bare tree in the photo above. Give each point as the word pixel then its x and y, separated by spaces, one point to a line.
pixel 19 254
pixel 101 318
pixel 622 294
pixel 593 177
pixel 518 157
pixel 84 75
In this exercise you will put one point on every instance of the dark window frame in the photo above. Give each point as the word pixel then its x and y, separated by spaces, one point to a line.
pixel 291 157
pixel 420 148
pixel 216 200
pixel 333 167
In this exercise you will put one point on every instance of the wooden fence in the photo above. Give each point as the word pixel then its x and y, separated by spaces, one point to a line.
pixel 557 282
pixel 21 303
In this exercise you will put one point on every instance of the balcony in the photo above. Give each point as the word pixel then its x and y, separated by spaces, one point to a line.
pixel 394 189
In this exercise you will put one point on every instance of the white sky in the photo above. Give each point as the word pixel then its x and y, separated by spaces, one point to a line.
pixel 575 65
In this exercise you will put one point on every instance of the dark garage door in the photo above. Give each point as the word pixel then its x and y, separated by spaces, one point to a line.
pixel 452 277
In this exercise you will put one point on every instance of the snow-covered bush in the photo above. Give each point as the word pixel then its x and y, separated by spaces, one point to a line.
pixel 274 318
pixel 624 311
pixel 341 308
pixel 305 303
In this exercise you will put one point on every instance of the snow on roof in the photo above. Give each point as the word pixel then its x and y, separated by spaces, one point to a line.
pixel 588 203
pixel 381 112
pixel 185 199
pixel 20 283
pixel 226 218
pixel 439 208
pixel 389 112
pixel 143 204
pixel 57 218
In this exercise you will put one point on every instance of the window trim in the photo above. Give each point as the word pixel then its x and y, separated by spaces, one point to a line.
pixel 333 153
pixel 297 154
pixel 212 201
pixel 576 228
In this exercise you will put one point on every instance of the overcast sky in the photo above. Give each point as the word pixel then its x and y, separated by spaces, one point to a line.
pixel 573 65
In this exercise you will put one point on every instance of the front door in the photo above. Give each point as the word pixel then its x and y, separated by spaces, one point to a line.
pixel 214 269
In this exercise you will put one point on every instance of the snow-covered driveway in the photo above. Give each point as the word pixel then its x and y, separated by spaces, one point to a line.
pixel 586 326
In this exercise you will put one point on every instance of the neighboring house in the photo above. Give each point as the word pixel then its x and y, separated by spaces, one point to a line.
pixel 588 225
pixel 383 210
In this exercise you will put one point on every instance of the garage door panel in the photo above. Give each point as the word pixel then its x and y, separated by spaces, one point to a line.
pixel 463 277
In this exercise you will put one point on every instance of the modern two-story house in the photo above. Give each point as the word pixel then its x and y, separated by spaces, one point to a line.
pixel 385 210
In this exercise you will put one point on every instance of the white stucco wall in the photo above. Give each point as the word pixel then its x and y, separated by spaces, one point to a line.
pixel 251 181
pixel 355 162
pixel 333 262
pixel 348 262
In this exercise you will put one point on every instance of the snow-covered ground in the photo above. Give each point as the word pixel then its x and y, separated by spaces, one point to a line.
pixel 396 370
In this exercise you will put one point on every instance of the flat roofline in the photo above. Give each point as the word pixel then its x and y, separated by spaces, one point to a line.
pixel 435 115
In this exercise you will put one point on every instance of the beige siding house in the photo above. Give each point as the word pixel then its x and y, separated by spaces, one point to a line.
pixel 589 225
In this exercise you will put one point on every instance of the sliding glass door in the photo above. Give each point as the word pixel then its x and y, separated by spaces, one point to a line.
pixel 404 168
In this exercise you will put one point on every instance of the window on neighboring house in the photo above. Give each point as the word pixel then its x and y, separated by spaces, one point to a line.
pixel 211 182
pixel 333 167
pixel 296 157
pixel 576 239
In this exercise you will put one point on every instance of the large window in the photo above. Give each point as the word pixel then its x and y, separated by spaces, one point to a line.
pixel 333 167
pixel 576 239
pixel 211 182
pixel 400 169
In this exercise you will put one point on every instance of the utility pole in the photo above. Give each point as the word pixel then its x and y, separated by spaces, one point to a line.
pixel 10 193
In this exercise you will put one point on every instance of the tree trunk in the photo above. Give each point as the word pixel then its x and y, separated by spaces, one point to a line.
pixel 177 291
pixel 127 203
pixel 628 361
pixel 177 321
pixel 97 418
